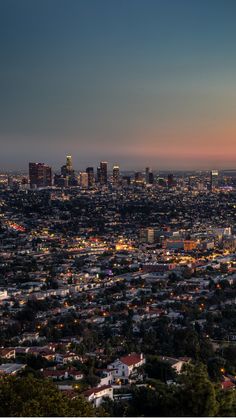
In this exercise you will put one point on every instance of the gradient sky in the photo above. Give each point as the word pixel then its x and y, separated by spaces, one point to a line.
pixel 138 82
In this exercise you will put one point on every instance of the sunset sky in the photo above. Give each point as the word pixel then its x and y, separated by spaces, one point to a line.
pixel 134 82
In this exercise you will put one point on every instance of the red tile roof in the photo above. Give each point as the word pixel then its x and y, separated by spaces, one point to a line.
pixel 71 394
pixel 131 359
pixel 53 373
pixel 227 385
pixel 6 351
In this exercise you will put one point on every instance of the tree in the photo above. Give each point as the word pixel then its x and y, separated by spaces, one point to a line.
pixel 186 342
pixel 92 380
pixel 229 354
pixel 153 401
pixel 158 369
pixel 28 396
pixel 215 367
pixel 227 402
pixel 196 394
pixel 206 350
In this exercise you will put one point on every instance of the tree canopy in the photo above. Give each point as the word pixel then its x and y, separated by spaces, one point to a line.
pixel 29 396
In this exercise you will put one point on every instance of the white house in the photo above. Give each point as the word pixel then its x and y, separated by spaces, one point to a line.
pixel 106 377
pixel 176 363
pixel 3 295
pixel 96 395
pixel 125 367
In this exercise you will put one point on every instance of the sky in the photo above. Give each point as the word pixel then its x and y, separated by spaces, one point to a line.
pixel 135 82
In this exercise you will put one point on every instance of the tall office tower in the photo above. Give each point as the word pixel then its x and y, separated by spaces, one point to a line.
pixel 84 180
pixel 98 175
pixel 214 179
pixel 103 172
pixel 170 180
pixel 116 175
pixel 147 171
pixel 69 164
pixel 138 177
pixel 67 169
pixel 73 180
pixel 91 179
pixel 48 175
pixel 126 180
pixel 40 175
pixel 61 181
pixel 151 178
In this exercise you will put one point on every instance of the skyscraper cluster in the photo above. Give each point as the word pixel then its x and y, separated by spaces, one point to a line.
pixel 41 175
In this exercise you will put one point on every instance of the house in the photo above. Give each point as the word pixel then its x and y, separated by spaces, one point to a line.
pixel 67 358
pixel 176 363
pixel 11 369
pixel 44 352
pixel 227 384
pixel 30 337
pixel 22 350
pixel 7 353
pixel 74 374
pixel 54 374
pixel 96 395
pixel 106 377
pixel 126 367
pixel 63 374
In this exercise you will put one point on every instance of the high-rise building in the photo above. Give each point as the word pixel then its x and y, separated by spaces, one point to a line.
pixel 69 164
pixel 161 181
pixel 138 177
pixel 40 175
pixel 91 179
pixel 48 175
pixel 67 169
pixel 170 180
pixel 126 180
pixel 149 178
pixel 103 172
pixel 73 180
pixel 61 181
pixel 98 175
pixel 84 180
pixel 214 179
pixel 147 171
pixel 116 175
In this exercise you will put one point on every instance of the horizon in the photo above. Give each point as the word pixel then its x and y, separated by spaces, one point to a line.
pixel 122 169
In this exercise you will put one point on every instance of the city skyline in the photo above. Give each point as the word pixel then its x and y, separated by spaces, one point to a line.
pixel 142 83
pixel 111 164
